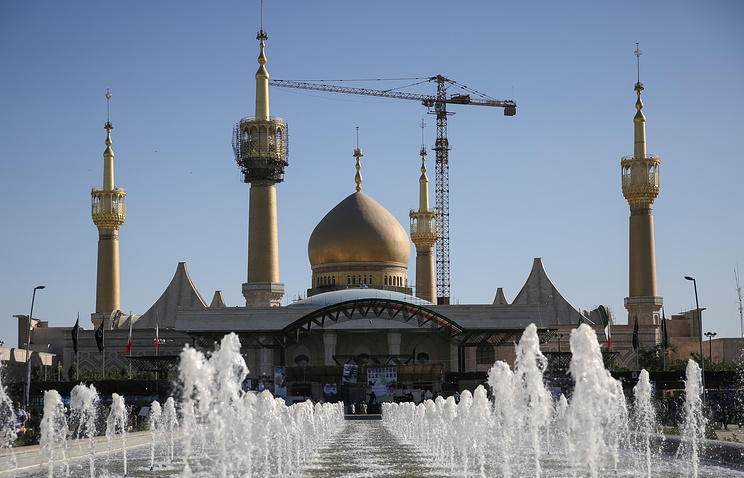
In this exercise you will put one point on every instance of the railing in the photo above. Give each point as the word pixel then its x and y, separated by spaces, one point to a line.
pixel 423 227
pixel 652 157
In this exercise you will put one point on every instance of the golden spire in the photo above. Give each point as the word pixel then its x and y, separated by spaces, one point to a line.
pixel 358 154
pixel 108 155
pixel 262 77
pixel 423 179
pixel 639 121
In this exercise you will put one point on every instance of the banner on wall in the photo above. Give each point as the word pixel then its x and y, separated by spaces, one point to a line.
pixel 280 382
pixel 350 373
pixel 382 380
pixel 330 389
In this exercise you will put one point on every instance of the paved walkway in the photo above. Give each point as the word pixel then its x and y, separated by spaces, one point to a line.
pixel 367 448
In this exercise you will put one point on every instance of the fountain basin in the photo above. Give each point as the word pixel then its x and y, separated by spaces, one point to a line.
pixel 28 457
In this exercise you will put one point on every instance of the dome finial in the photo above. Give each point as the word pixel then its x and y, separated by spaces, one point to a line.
pixel 262 76
pixel 358 154
pixel 108 125
pixel 639 150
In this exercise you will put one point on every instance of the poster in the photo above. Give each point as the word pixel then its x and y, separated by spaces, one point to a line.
pixel 382 380
pixel 280 382
pixel 350 373
pixel 330 390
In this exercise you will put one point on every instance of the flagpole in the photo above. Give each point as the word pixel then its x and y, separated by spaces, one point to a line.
pixel 663 336
pixel 130 348
pixel 103 341
pixel 157 362
pixel 77 350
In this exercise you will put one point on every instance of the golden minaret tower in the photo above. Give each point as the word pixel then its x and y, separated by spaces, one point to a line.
pixel 424 234
pixel 640 180
pixel 108 210
pixel 260 146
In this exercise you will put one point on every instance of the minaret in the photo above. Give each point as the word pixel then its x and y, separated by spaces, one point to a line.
pixel 424 234
pixel 640 182
pixel 260 146
pixel 108 210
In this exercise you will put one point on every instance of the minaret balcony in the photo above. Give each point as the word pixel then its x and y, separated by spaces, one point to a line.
pixel 261 148
pixel 640 178
pixel 424 228
pixel 108 207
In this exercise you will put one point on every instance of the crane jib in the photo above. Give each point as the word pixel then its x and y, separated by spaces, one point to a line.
pixel 439 103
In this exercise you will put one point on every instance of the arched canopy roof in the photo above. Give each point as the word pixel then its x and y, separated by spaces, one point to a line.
pixel 354 293
pixel 371 308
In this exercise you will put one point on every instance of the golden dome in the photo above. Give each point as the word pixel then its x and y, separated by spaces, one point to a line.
pixel 359 229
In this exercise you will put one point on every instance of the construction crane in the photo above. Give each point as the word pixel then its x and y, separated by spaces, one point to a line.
pixel 437 105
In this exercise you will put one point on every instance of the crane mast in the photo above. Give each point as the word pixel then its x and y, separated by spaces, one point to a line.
pixel 438 104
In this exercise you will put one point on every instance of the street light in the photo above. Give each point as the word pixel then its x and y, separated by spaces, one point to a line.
pixel 710 336
pixel 28 343
pixel 700 331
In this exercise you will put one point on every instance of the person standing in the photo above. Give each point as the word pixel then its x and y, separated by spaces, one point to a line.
pixel 21 417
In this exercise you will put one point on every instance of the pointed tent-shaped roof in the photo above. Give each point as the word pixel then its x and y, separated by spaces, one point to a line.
pixel 181 292
pixel 539 290
pixel 217 300
pixel 500 298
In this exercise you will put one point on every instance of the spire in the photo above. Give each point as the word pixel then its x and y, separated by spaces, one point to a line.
pixel 108 155
pixel 423 179
pixel 262 77
pixel 639 121
pixel 358 154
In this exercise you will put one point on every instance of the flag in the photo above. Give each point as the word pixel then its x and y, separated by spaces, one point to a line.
pixel 75 331
pixel 581 319
pixel 99 336
pixel 157 338
pixel 605 316
pixel 129 343
pixel 664 336
pixel 635 335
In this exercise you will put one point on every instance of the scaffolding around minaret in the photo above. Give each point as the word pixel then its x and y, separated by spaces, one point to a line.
pixel 261 149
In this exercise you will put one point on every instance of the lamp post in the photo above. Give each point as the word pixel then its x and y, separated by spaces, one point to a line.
pixel 700 331
pixel 28 343
pixel 710 336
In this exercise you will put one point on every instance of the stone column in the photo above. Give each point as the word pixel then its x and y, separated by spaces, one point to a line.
pixel 329 346
pixel 393 339
pixel 454 358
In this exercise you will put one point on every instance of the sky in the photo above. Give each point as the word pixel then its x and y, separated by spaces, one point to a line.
pixel 544 183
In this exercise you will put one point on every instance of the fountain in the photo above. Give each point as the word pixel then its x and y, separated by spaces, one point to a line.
pixel 693 429
pixel 84 411
pixel 155 423
pixel 8 424
pixel 522 432
pixel 169 423
pixel 644 416
pixel 54 431
pixel 116 424
pixel 518 430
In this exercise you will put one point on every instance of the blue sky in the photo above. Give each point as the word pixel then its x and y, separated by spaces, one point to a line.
pixel 544 183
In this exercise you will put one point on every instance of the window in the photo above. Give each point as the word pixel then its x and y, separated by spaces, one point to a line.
pixel 333 280
pixel 385 280
pixel 353 279
pixel 348 280
pixel 302 360
pixel 484 354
